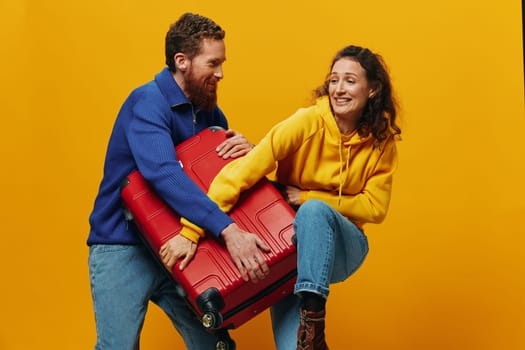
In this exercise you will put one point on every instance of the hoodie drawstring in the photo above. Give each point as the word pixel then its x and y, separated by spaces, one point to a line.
pixel 341 181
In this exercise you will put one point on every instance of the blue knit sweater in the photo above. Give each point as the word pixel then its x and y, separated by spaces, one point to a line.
pixel 152 121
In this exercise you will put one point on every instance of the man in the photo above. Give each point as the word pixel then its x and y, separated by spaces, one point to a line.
pixel 177 104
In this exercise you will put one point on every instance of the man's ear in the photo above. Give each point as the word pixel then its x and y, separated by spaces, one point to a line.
pixel 181 61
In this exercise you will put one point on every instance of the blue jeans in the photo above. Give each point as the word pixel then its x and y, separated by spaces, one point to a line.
pixel 124 278
pixel 330 248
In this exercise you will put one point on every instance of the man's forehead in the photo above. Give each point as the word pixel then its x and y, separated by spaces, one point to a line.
pixel 212 49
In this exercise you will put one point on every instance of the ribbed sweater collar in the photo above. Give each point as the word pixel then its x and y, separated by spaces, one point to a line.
pixel 170 89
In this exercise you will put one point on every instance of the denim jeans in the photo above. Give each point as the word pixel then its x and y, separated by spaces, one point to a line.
pixel 124 278
pixel 330 248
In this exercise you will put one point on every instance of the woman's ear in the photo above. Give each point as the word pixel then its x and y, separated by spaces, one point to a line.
pixel 374 91
pixel 181 61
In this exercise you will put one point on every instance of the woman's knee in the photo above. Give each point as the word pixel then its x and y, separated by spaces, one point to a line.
pixel 313 216
pixel 314 208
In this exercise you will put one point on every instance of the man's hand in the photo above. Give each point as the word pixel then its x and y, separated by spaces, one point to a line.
pixel 179 247
pixel 236 145
pixel 245 250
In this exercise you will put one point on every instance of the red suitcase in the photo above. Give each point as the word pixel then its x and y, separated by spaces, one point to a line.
pixel 211 282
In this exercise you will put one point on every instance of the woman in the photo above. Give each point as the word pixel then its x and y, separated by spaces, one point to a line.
pixel 335 160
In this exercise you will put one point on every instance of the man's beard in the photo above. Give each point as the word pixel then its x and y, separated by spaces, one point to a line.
pixel 200 93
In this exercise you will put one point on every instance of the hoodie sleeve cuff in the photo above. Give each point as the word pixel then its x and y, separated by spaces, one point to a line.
pixel 303 196
pixel 191 231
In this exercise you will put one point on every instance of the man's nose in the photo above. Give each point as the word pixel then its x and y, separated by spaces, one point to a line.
pixel 219 73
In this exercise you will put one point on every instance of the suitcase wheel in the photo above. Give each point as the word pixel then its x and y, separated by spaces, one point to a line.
pixel 211 319
pixel 210 302
pixel 224 341
pixel 225 345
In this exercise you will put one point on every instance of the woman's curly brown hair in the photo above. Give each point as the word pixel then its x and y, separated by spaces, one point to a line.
pixel 379 117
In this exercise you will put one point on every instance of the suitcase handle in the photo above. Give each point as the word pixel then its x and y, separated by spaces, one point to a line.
pixel 215 128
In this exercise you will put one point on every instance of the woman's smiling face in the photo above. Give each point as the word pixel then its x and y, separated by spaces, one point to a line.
pixel 348 89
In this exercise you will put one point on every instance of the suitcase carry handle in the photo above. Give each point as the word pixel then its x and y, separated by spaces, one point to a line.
pixel 215 128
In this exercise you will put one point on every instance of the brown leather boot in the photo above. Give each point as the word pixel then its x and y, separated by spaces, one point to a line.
pixel 310 335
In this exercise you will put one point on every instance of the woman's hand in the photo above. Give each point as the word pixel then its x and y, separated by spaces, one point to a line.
pixel 236 145
pixel 292 195
pixel 179 247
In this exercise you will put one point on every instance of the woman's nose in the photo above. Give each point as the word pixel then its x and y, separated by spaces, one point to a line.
pixel 339 88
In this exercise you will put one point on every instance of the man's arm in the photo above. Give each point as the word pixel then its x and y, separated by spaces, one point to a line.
pixel 244 247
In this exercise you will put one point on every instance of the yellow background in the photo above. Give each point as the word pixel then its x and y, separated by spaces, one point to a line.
pixel 446 269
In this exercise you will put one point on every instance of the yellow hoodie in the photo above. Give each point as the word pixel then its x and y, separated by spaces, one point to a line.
pixel 308 151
